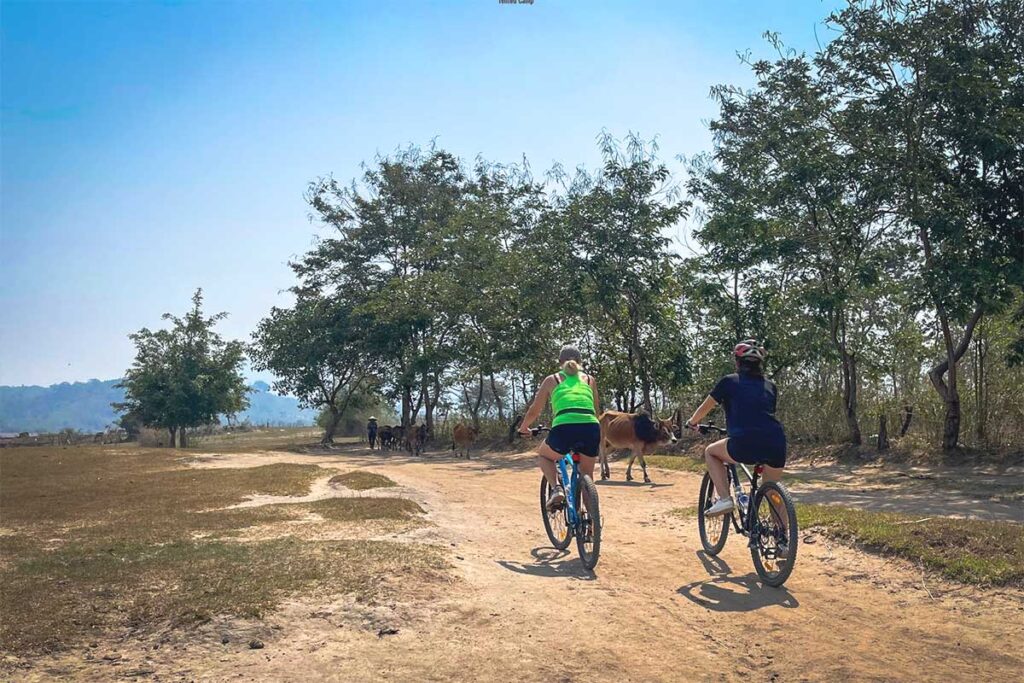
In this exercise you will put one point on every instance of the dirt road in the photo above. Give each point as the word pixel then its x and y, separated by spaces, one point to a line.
pixel 656 609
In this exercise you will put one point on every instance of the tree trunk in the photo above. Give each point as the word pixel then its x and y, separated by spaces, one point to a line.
pixel 908 415
pixel 479 399
pixel 497 399
pixel 512 383
pixel 182 439
pixel 406 404
pixel 850 396
pixel 428 413
pixel 981 386
pixel 173 431
pixel 944 376
pixel 848 369
pixel 432 405
pixel 419 404
pixel 513 426
pixel 332 426
pixel 883 433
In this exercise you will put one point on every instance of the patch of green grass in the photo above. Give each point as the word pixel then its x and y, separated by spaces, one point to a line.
pixel 362 481
pixel 680 463
pixel 687 512
pixel 967 550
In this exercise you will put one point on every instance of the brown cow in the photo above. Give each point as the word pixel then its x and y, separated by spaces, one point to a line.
pixel 463 436
pixel 419 439
pixel 637 432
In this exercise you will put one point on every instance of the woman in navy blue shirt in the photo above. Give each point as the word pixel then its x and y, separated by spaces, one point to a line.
pixel 755 436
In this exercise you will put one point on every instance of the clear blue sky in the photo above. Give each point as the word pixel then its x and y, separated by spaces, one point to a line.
pixel 152 148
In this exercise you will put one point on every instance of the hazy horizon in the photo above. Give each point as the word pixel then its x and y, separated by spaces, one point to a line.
pixel 150 149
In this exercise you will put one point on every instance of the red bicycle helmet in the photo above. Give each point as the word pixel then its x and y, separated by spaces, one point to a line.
pixel 750 349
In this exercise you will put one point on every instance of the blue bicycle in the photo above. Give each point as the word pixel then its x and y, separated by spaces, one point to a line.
pixel 570 518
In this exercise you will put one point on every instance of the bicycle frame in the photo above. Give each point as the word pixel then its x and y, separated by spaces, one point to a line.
pixel 746 525
pixel 573 482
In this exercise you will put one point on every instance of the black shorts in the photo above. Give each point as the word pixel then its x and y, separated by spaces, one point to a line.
pixel 584 438
pixel 753 450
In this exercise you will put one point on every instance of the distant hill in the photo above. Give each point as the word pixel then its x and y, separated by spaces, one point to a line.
pixel 86 406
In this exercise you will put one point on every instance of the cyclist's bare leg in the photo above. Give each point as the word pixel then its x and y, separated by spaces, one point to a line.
pixel 546 458
pixel 716 455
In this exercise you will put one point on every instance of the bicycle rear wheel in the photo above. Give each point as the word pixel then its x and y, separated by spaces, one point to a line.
pixel 713 530
pixel 588 536
pixel 556 522
pixel 774 535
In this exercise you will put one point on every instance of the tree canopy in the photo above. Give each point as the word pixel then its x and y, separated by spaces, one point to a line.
pixel 184 376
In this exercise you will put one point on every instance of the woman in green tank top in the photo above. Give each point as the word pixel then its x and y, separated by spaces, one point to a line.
pixel 575 404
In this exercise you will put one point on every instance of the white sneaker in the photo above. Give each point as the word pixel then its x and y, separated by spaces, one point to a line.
pixel 721 506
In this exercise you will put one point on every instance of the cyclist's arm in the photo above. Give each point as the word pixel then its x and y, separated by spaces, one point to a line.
pixel 702 411
pixel 539 401
pixel 597 396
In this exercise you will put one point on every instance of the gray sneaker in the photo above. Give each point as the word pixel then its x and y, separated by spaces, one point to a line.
pixel 555 498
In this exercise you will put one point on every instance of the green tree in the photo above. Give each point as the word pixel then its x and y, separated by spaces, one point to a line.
pixel 616 277
pixel 792 200
pixel 940 87
pixel 317 351
pixel 389 245
pixel 185 376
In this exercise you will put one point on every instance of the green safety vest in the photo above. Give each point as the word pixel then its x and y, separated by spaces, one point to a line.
pixel 572 401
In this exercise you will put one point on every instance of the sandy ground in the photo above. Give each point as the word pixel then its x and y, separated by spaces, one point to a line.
pixel 655 609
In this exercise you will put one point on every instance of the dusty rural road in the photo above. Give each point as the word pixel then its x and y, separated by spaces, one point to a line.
pixel 654 609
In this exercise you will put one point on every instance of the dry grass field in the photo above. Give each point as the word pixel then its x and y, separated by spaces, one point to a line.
pixel 266 557
pixel 99 540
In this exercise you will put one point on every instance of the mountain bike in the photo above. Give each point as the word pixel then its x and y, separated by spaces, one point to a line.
pixel 769 523
pixel 571 518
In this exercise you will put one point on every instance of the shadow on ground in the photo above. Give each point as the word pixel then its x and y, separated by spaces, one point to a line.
pixel 551 563
pixel 725 593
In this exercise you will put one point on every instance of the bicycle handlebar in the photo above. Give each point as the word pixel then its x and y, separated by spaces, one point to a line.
pixel 534 431
pixel 710 427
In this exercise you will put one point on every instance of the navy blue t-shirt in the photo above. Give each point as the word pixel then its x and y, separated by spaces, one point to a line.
pixel 749 404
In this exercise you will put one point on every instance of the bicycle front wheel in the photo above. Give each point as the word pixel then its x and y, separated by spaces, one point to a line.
pixel 713 530
pixel 556 522
pixel 588 534
pixel 774 535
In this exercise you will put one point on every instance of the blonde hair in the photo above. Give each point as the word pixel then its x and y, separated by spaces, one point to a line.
pixel 570 367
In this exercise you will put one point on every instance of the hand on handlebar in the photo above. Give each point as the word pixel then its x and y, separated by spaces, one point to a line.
pixel 528 431
pixel 708 428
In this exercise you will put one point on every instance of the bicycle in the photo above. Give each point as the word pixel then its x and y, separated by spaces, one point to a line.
pixel 569 518
pixel 772 541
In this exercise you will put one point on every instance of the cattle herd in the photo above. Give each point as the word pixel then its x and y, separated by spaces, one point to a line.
pixel 636 432
pixel 397 437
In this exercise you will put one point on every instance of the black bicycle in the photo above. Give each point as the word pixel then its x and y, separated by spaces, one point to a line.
pixel 769 523
pixel 579 515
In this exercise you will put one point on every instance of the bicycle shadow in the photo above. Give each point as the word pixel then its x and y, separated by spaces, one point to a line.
pixel 551 563
pixel 724 593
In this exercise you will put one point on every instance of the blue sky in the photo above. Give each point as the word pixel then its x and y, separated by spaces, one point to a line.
pixel 148 149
